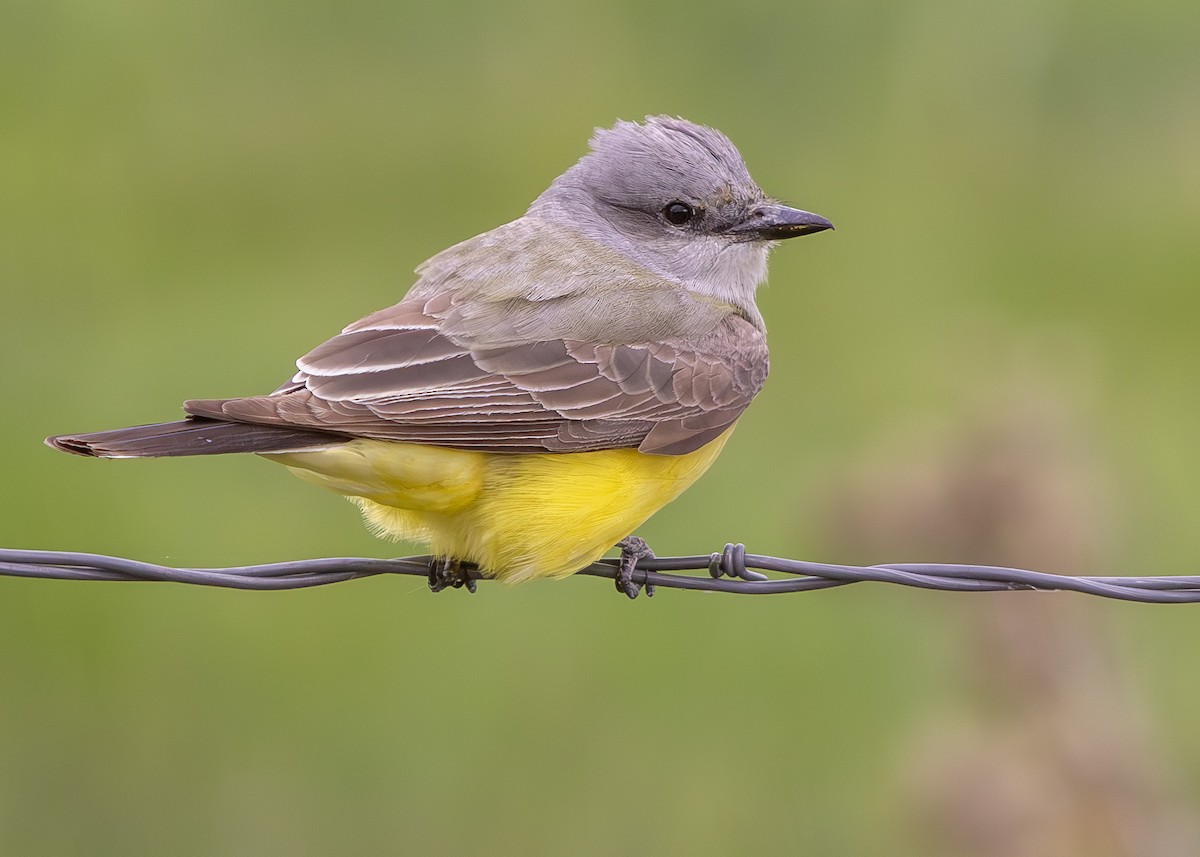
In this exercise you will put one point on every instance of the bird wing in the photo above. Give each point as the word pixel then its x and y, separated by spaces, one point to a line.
pixel 404 374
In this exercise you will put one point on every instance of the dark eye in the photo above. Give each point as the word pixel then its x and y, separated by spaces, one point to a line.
pixel 678 213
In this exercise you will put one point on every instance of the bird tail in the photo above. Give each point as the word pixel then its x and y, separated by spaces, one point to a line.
pixel 192 436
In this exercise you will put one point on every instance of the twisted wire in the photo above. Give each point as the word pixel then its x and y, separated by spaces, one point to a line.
pixel 729 570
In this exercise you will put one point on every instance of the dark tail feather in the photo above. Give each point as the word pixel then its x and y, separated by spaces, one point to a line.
pixel 193 436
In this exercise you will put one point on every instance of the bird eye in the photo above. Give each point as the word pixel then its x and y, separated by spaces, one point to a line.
pixel 678 213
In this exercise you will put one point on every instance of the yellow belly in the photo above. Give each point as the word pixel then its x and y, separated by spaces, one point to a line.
pixel 518 517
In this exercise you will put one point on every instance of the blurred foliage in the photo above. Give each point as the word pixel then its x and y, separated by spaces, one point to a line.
pixel 192 194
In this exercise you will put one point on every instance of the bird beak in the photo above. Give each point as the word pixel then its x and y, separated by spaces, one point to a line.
pixel 774 221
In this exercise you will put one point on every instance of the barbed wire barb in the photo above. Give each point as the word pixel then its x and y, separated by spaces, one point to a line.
pixel 729 570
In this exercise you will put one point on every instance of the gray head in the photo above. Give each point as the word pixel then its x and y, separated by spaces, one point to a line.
pixel 677 198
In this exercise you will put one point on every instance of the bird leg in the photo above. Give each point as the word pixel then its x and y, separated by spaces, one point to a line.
pixel 632 549
pixel 447 571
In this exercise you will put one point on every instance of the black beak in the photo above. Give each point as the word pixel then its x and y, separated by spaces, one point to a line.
pixel 774 221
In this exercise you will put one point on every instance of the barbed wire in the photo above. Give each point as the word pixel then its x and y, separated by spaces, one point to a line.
pixel 729 570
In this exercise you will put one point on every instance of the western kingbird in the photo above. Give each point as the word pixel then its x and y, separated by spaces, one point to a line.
pixel 544 387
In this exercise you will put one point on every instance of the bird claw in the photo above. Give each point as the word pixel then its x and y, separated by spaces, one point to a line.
pixel 448 572
pixel 632 550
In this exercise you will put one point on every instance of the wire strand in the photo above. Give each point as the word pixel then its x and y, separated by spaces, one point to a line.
pixel 729 570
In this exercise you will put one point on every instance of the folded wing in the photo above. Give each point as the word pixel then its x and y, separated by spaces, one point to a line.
pixel 400 375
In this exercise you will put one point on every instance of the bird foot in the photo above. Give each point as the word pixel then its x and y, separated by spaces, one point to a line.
pixel 448 572
pixel 632 549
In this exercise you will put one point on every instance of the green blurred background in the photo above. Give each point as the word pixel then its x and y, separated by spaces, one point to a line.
pixel 992 359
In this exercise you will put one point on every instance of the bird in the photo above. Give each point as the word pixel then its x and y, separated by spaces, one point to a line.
pixel 543 388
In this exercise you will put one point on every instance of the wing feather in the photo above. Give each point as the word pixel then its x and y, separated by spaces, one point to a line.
pixel 402 374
